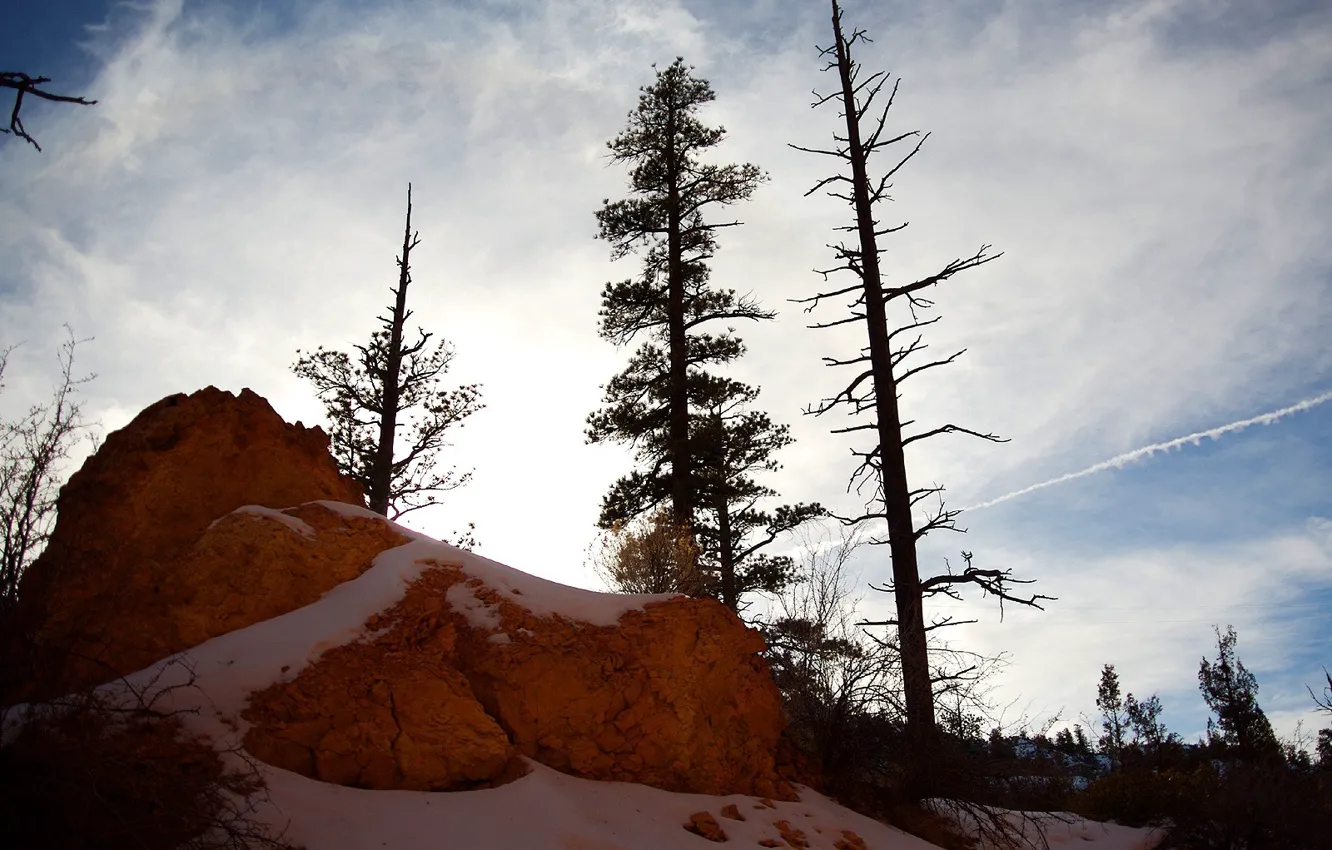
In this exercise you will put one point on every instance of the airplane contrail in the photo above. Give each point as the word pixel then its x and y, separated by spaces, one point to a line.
pixel 1120 461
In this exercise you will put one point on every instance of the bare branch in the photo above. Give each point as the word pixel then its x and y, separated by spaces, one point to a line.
pixel 953 429
pixel 22 84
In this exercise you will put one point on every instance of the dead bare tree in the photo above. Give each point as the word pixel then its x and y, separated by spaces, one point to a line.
pixel 874 390
pixel 22 84
pixel 32 449
pixel 369 398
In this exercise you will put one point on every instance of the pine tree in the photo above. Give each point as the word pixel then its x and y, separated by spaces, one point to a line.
pixel 392 384
pixel 1231 692
pixel 1113 720
pixel 696 443
pixel 732 444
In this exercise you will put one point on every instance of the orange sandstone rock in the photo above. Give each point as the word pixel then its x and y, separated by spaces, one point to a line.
pixel 674 696
pixel 792 836
pixel 180 529
pixel 97 601
pixel 704 824
pixel 391 714
pixel 849 841
pixel 255 564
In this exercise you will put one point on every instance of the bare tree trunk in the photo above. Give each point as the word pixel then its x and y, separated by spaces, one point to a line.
pixel 917 687
pixel 382 475
pixel 729 594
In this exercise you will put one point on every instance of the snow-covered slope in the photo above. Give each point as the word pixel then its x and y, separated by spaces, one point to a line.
pixel 544 809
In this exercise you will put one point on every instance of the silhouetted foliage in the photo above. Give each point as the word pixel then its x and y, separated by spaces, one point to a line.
pixel 697 442
pixel 1110 703
pixel 32 449
pixel 1231 692
pixel 733 444
pixel 97 770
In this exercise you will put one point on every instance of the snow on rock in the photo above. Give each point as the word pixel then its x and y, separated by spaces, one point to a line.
pixel 294 523
pixel 673 693
pixel 539 596
pixel 369 655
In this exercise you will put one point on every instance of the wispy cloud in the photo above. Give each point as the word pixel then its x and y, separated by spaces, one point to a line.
pixel 1120 461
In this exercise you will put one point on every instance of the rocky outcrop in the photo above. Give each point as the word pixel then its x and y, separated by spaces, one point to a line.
pixel 182 528
pixel 673 696
pixel 99 601
pixel 258 563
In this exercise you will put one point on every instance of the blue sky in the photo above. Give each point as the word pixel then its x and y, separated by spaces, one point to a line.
pixel 1155 172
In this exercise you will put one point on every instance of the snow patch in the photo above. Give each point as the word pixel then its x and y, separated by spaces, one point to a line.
pixel 479 615
pixel 296 524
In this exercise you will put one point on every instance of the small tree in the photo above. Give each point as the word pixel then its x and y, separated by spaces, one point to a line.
pixel 32 449
pixel 22 84
pixel 1323 703
pixel 1113 719
pixel 366 398
pixel 735 443
pixel 1149 733
pixel 1231 692
pixel 841 691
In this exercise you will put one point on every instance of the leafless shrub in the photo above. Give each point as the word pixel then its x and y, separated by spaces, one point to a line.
pixel 32 451
pixel 115 767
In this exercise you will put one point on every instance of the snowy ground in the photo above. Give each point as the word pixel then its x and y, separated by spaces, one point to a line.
pixel 543 810
pixel 547 810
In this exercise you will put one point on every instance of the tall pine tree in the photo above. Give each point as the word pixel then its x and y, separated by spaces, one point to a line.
pixel 665 403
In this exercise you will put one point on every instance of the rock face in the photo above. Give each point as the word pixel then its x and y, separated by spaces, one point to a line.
pixel 459 678
pixel 98 602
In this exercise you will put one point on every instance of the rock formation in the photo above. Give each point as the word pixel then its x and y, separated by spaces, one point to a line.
pixel 208 514
pixel 460 677
pixel 96 603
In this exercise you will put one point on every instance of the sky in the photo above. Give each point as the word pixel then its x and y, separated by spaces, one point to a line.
pixel 1155 174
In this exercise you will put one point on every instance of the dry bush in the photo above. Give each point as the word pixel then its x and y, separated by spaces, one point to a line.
pixel 85 771
pixel 649 556
pixel 841 691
